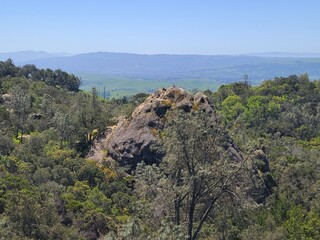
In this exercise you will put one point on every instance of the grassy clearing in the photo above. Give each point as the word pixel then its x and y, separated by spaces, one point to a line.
pixel 119 87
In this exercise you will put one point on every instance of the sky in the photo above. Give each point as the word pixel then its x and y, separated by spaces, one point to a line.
pixel 160 26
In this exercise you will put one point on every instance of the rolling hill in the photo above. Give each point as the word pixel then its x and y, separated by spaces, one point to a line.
pixel 126 74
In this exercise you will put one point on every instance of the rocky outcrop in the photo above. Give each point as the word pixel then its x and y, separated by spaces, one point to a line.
pixel 262 182
pixel 135 139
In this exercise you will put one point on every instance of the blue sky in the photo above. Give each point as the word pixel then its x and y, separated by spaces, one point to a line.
pixel 160 26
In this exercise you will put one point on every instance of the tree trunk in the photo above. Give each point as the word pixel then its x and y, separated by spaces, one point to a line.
pixel 191 218
pixel 177 210
pixel 21 136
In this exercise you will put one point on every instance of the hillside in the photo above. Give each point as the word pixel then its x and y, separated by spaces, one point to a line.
pixel 238 163
pixel 166 66
pixel 145 73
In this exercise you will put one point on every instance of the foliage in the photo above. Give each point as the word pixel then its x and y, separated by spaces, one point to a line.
pixel 232 108
pixel 49 190
pixel 281 116
pixel 53 78
pixel 194 177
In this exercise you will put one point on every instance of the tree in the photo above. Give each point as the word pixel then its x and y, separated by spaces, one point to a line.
pixel 260 109
pixel 90 118
pixel 197 172
pixel 302 225
pixel 20 105
pixel 63 126
pixel 28 71
pixel 6 145
pixel 7 68
pixel 232 108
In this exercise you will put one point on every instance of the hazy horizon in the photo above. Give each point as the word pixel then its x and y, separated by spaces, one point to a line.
pixel 162 53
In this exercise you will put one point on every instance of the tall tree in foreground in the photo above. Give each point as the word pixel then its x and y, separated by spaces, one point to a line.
pixel 20 105
pixel 198 172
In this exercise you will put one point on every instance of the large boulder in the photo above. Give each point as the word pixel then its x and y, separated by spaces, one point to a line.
pixel 135 139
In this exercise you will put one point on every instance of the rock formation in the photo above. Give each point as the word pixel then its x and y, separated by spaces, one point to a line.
pixel 136 139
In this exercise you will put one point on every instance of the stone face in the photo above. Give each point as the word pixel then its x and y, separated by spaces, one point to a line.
pixel 135 139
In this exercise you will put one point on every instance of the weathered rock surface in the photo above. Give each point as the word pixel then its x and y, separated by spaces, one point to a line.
pixel 134 139
pixel 262 181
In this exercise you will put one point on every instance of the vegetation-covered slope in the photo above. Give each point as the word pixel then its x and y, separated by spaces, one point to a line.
pixel 281 116
pixel 50 190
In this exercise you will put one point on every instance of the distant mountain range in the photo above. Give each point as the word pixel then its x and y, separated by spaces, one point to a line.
pixel 25 56
pixel 98 67
pixel 285 54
